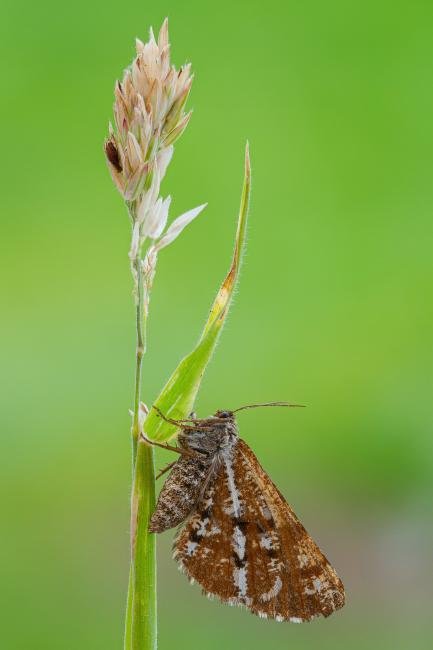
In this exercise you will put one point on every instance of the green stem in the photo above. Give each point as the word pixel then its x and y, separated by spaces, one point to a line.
pixel 128 618
pixel 140 622
pixel 143 635
pixel 140 350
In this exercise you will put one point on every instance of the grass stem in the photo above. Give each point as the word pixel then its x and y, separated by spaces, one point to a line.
pixel 140 623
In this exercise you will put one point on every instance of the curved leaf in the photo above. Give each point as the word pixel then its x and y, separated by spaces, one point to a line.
pixel 177 398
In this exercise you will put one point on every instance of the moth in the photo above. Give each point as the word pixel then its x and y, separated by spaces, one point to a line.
pixel 241 541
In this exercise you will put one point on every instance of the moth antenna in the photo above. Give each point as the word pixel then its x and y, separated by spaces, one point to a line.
pixel 255 406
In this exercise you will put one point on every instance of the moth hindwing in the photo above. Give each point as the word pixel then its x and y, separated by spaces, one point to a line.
pixel 241 541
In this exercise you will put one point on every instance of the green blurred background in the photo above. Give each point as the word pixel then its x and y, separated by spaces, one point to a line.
pixel 334 307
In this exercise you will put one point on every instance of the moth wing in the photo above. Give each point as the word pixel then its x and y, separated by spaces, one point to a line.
pixel 245 545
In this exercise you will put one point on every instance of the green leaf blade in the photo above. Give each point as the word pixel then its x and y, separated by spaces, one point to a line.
pixel 177 398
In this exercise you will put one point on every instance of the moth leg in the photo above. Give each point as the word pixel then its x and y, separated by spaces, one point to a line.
pixel 178 450
pixel 176 423
pixel 165 469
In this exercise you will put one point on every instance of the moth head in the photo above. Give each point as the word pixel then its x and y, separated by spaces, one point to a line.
pixel 223 415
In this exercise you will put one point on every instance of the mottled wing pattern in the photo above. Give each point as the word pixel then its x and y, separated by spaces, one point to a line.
pixel 180 493
pixel 245 545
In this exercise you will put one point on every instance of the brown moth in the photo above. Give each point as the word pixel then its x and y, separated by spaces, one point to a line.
pixel 241 542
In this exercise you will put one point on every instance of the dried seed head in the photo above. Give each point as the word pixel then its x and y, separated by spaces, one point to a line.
pixel 149 116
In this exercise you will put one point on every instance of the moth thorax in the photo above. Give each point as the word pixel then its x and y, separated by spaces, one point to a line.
pixel 210 436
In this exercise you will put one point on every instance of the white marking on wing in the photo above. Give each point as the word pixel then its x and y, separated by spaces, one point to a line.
pixel 266 542
pixel 274 591
pixel 236 505
pixel 266 512
pixel 239 541
pixel 240 576
pixel 303 560
pixel 202 530
pixel 190 548
pixel 318 585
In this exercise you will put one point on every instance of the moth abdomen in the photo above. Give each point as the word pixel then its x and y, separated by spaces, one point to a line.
pixel 179 494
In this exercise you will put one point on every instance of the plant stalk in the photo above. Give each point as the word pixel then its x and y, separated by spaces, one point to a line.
pixel 144 625
pixel 140 623
pixel 140 325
